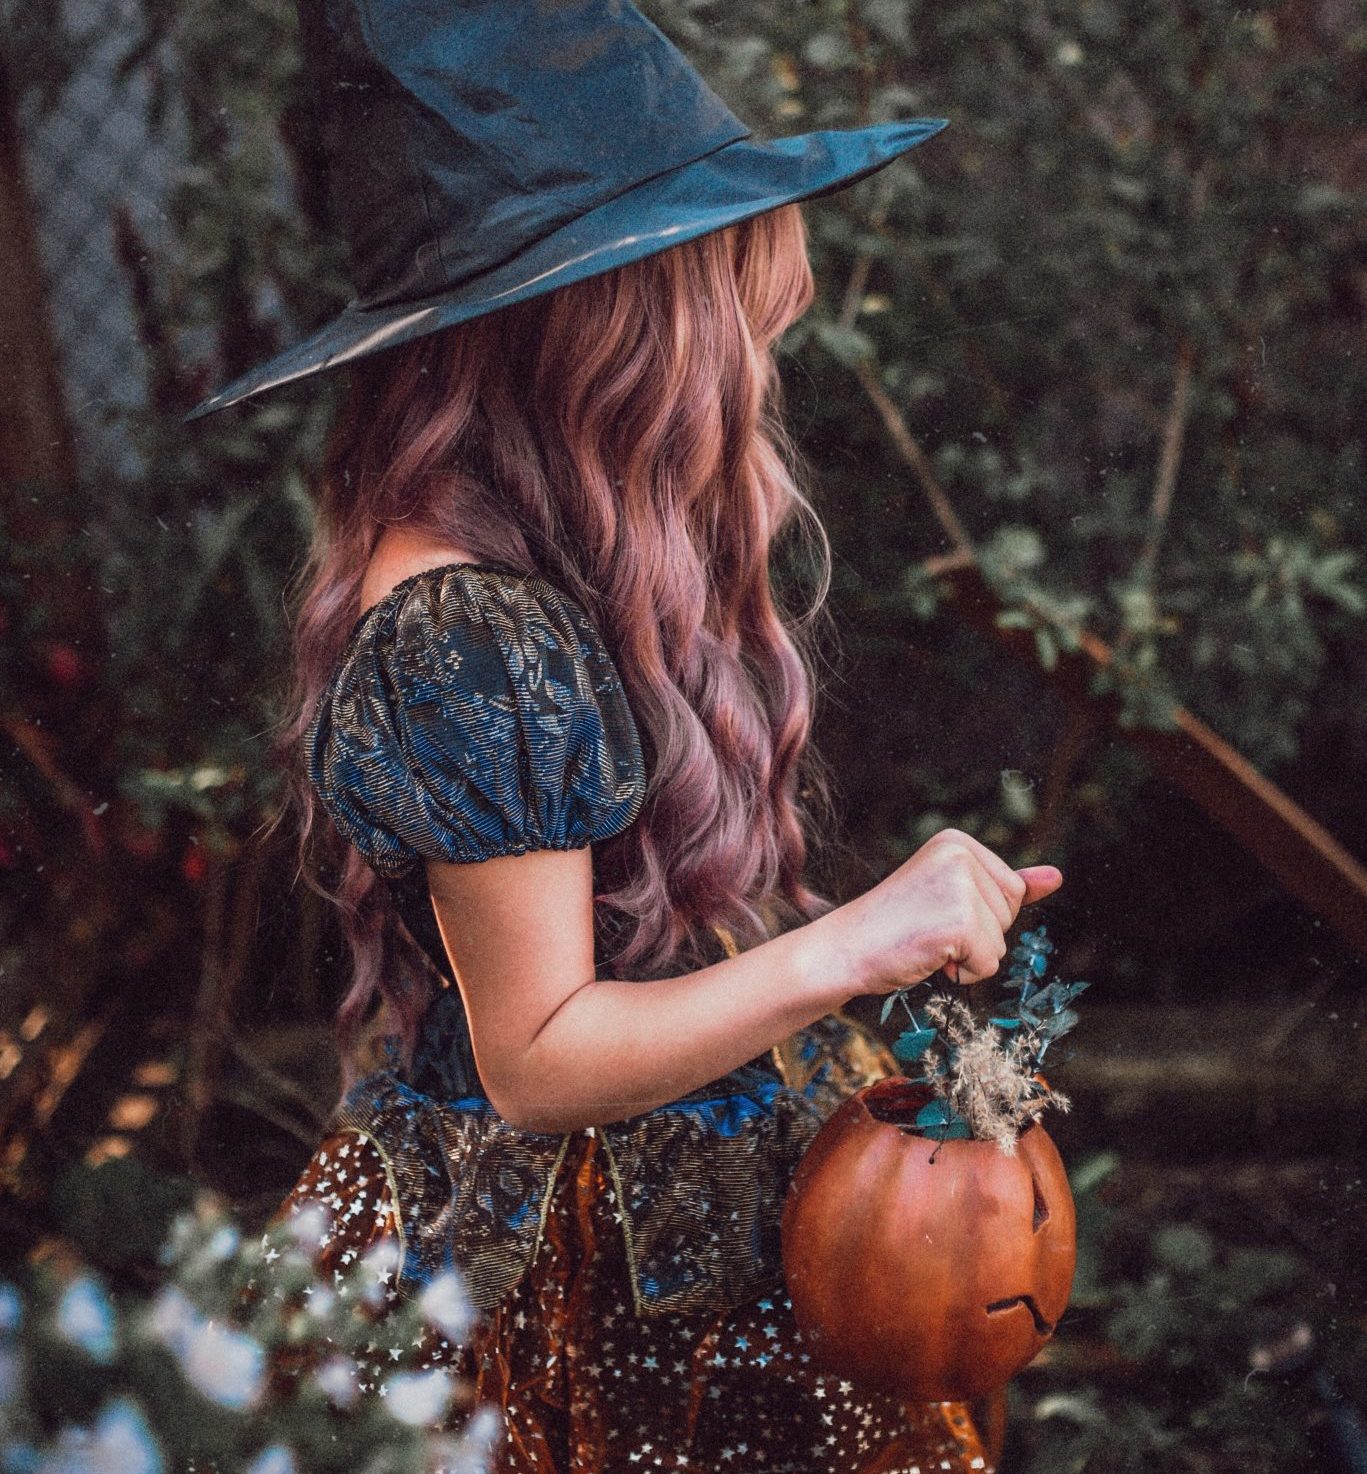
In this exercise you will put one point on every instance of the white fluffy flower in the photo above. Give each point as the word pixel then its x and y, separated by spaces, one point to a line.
pixel 419 1398
pixel 322 1301
pixel 473 1451
pixel 85 1317
pixel 382 1258
pixel 226 1365
pixel 172 1319
pixel 380 1267
pixel 224 1243
pixel 338 1380
pixel 446 1304
pixel 276 1459
pixel 309 1225
pixel 119 1443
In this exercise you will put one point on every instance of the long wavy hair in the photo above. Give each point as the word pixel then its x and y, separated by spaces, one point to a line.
pixel 621 437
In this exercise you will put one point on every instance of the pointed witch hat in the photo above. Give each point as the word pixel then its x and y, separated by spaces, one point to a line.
pixel 483 151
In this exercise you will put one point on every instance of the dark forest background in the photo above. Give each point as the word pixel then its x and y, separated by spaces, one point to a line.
pixel 1082 398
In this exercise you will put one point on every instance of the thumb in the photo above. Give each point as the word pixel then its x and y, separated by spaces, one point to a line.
pixel 1040 881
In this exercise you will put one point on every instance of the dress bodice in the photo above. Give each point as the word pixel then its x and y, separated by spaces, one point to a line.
pixel 475 711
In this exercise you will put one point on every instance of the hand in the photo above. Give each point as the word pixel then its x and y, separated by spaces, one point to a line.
pixel 949 906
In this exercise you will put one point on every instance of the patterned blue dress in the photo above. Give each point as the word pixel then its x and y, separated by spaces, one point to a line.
pixel 628 1278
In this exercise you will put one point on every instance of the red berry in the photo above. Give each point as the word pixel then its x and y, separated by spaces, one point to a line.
pixel 64 664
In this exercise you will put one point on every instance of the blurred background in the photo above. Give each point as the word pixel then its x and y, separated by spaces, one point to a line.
pixel 1083 402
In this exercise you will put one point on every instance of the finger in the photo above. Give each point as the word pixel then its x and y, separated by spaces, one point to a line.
pixel 1040 881
pixel 986 946
pixel 1005 877
pixel 1003 907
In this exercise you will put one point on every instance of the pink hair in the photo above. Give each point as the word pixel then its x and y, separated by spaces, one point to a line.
pixel 621 437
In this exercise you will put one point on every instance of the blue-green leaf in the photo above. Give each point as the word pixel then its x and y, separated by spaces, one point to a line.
pixel 1059 1023
pixel 1005 1023
pixel 887 1007
pixel 912 1044
pixel 938 1119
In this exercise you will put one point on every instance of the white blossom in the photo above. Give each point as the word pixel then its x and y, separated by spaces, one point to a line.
pixel 446 1304
pixel 225 1364
pixel 473 1451
pixel 322 1300
pixel 85 1317
pixel 338 1380
pixel 276 1459
pixel 309 1225
pixel 419 1398
pixel 119 1443
pixel 172 1319
pixel 382 1258
pixel 223 1244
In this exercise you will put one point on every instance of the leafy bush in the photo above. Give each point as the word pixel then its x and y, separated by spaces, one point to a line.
pixel 244 1358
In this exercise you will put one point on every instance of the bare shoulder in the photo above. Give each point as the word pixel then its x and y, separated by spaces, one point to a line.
pixel 399 555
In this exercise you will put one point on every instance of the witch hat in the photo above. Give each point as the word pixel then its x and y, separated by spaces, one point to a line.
pixel 483 151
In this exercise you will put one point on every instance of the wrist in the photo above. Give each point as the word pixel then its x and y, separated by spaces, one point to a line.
pixel 828 965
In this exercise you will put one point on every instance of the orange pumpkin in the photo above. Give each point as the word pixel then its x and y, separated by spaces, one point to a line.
pixel 930 1270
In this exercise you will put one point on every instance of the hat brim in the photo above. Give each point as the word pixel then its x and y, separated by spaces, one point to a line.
pixel 733 183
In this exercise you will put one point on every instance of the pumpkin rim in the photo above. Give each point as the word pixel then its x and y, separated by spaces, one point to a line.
pixel 921 1094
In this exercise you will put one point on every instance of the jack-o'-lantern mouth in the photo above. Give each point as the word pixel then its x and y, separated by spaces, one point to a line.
pixel 1042 1326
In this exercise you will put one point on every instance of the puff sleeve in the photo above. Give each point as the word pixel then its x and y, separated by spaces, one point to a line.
pixel 474 712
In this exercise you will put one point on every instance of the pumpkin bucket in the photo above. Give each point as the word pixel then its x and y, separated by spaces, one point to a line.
pixel 932 1270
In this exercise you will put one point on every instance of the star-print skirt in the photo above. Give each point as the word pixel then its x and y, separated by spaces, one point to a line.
pixel 585 1386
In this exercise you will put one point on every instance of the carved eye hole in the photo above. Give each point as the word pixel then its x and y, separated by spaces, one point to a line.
pixel 1041 1214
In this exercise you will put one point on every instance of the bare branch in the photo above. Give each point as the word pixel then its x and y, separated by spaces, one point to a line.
pixel 916 458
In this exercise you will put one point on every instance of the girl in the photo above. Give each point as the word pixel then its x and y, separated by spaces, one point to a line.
pixel 555 718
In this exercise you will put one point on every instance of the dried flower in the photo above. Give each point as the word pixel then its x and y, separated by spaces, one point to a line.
pixel 984 1077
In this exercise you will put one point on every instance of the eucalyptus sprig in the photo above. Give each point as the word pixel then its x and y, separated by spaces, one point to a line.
pixel 984 1077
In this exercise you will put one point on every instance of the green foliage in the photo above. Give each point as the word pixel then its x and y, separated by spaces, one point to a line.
pixel 1136 229
pixel 1150 1369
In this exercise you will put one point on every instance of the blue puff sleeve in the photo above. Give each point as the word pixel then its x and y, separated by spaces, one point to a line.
pixel 474 712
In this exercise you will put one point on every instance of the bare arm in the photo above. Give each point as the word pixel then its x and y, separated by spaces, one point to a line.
pixel 559 1049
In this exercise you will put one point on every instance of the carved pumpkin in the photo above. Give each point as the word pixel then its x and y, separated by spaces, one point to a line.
pixel 930 1270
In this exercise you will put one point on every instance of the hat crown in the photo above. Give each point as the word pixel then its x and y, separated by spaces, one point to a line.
pixel 458 131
